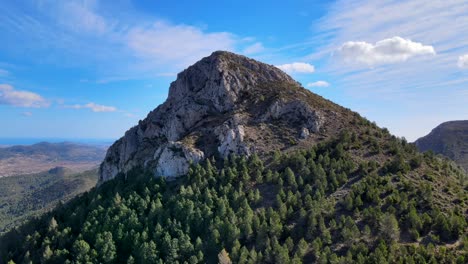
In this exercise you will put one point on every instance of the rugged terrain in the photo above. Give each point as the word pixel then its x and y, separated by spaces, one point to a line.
pixel 449 139
pixel 252 168
pixel 20 160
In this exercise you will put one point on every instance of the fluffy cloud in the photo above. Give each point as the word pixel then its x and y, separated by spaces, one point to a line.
pixel 463 61
pixel 318 84
pixel 95 107
pixel 389 50
pixel 10 96
pixel 297 67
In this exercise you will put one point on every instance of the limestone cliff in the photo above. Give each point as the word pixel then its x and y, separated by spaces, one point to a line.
pixel 223 104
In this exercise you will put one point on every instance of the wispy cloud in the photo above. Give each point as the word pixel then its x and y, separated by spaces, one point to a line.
pixel 10 96
pixel 318 84
pixel 81 16
pixel 126 46
pixel 389 50
pixel 164 42
pixel 94 107
pixel 27 114
pixel 129 115
pixel 4 73
pixel 297 67
pixel 254 48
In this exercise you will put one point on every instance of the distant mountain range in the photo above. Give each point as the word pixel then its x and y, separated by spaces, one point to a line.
pixel 9 141
pixel 21 159
pixel 449 139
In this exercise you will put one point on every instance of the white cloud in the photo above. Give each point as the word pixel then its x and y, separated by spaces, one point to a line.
pixel 389 50
pixel 318 84
pixel 254 48
pixel 463 61
pixel 10 96
pixel 27 114
pixel 94 107
pixel 297 67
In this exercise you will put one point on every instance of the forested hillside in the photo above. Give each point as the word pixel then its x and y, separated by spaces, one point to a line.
pixel 25 196
pixel 363 197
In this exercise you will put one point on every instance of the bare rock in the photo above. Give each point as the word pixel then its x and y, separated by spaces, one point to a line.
pixel 304 133
pixel 231 138
pixel 174 159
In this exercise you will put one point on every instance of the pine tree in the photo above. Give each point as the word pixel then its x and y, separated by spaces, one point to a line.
pixel 223 257
pixel 81 251
pixel 389 228
pixel 105 247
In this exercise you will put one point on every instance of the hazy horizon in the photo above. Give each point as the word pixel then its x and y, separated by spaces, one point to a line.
pixel 10 141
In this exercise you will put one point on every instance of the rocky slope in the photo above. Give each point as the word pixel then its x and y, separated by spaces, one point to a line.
pixel 223 104
pixel 449 139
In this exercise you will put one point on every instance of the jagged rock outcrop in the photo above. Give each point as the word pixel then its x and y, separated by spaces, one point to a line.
pixel 224 104
pixel 295 111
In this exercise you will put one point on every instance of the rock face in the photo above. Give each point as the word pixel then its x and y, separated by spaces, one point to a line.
pixel 224 104
pixel 231 138
pixel 449 139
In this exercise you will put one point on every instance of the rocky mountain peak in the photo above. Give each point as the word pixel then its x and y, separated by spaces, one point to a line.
pixel 225 103
pixel 220 78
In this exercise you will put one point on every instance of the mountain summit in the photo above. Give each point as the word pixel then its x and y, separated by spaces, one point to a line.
pixel 225 103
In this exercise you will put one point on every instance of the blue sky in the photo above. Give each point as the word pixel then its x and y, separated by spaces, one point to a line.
pixel 92 69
